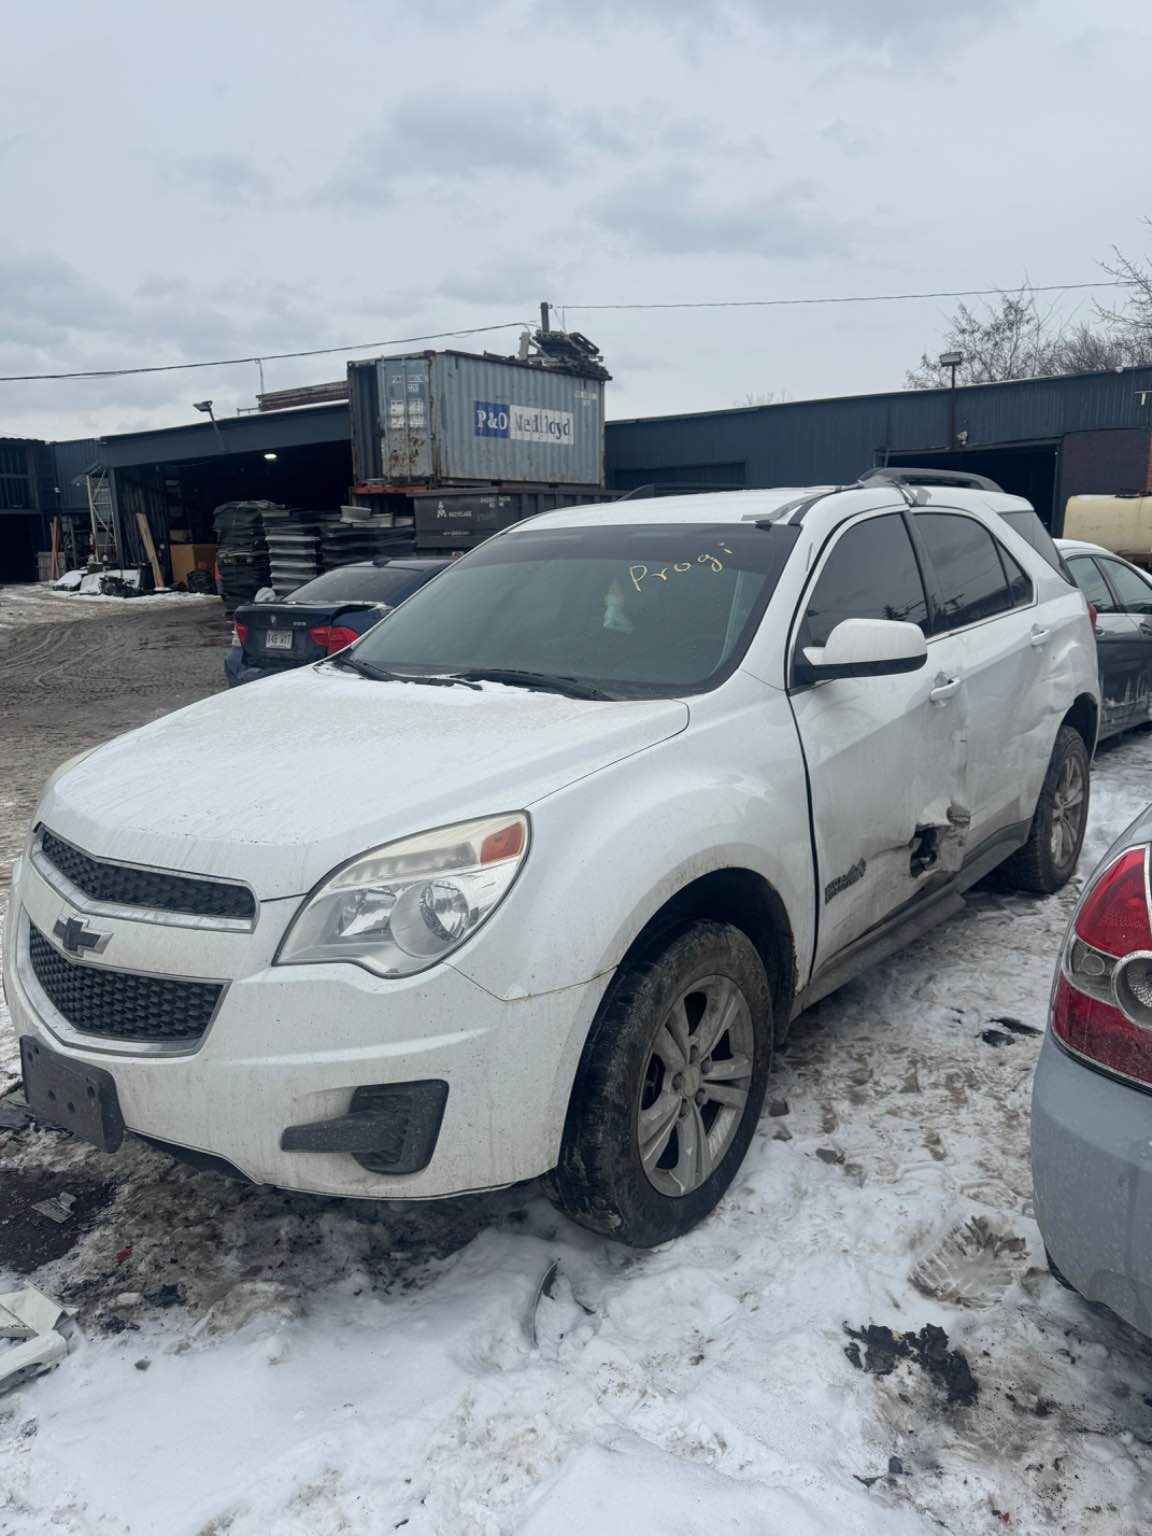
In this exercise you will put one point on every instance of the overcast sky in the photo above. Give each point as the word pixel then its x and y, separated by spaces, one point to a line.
pixel 221 179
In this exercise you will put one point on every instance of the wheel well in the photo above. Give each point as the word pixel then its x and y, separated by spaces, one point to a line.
pixel 747 901
pixel 1084 717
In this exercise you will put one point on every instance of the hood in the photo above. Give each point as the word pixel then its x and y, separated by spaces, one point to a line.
pixel 277 783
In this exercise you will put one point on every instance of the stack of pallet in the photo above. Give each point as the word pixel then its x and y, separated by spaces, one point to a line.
pixel 293 547
pixel 374 535
pixel 242 552
pixel 344 543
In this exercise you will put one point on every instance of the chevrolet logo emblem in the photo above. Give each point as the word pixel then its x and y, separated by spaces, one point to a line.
pixel 77 938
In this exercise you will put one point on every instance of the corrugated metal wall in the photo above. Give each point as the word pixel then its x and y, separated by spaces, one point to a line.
pixel 814 441
pixel 71 460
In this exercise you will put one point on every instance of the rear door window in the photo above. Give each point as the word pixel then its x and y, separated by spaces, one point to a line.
pixel 971 584
pixel 872 573
pixel 1090 579
pixel 1133 590
pixel 1019 582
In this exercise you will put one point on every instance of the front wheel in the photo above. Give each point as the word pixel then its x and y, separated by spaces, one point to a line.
pixel 1048 859
pixel 669 1089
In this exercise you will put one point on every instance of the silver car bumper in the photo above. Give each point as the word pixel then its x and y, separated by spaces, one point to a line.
pixel 1092 1171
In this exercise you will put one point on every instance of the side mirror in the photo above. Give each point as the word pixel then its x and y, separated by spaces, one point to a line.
pixel 867 648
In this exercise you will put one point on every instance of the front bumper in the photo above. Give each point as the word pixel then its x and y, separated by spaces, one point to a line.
pixel 289 1046
pixel 1092 1173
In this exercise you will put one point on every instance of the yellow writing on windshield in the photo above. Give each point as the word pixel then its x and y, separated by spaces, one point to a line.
pixel 639 574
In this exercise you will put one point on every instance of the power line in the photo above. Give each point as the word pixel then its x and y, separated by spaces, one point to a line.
pixel 265 357
pixel 481 330
pixel 865 298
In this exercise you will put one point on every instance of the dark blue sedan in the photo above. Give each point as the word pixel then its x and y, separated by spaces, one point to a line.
pixel 321 617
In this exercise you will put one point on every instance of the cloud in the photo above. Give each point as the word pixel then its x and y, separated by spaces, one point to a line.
pixel 224 177
pixel 676 213
pixel 460 138
pixel 851 140
pixel 43 298
pixel 845 23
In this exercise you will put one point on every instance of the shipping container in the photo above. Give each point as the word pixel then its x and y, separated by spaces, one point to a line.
pixel 465 518
pixel 438 418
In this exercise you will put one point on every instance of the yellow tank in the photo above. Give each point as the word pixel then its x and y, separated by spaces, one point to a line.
pixel 1122 524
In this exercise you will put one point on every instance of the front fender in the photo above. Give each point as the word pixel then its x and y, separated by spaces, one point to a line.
pixel 609 851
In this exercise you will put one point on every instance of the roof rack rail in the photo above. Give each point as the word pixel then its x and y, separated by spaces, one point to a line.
pixel 907 475
pixel 674 488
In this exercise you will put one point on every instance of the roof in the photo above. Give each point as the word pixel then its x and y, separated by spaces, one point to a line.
pixel 1039 381
pixel 785 504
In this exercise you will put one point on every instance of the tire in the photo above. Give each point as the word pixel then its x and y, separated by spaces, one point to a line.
pixel 1047 861
pixel 1057 1275
pixel 703 973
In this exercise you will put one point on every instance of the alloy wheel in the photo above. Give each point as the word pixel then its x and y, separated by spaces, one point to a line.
pixel 1068 807
pixel 695 1085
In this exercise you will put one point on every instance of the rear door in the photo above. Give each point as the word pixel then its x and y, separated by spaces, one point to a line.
pixel 1134 593
pixel 989 633
pixel 1124 654
pixel 884 754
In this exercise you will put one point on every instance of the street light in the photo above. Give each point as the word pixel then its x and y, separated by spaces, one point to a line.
pixel 951 360
pixel 206 407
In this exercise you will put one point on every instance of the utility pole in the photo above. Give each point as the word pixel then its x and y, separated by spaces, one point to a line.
pixel 951 360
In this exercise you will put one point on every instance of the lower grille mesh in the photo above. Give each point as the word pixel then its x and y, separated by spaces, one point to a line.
pixel 120 1005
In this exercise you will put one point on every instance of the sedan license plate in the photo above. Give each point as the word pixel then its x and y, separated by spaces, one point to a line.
pixel 278 640
pixel 76 1097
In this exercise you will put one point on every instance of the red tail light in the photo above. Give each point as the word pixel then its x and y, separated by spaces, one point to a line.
pixel 1102 1009
pixel 332 637
pixel 241 633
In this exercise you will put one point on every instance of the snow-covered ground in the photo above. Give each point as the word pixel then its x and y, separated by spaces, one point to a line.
pixel 42 604
pixel 335 1368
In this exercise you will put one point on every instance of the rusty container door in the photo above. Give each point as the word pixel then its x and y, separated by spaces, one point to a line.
pixel 407 430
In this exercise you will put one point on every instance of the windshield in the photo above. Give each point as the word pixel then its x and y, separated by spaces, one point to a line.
pixel 644 610
pixel 364 583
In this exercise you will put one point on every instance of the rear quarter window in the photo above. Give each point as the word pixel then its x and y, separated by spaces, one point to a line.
pixel 1032 530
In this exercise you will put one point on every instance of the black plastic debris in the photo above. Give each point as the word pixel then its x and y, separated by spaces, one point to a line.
pixel 948 1369
pixel 1017 1026
pixel 165 1296
pixel 996 1037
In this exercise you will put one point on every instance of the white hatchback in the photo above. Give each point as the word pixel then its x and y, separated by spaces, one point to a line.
pixel 533 878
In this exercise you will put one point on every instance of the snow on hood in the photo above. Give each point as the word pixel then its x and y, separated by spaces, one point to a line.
pixel 278 782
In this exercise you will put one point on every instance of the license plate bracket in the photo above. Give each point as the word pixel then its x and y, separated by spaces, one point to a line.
pixel 72 1095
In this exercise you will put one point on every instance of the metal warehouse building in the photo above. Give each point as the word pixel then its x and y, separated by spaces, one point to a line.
pixel 1046 439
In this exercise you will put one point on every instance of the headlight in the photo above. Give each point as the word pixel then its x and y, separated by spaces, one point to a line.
pixel 401 908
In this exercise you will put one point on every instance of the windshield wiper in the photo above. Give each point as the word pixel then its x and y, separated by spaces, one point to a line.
pixel 543 682
pixel 381 675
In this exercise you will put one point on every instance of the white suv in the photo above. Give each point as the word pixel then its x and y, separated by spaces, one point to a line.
pixel 533 877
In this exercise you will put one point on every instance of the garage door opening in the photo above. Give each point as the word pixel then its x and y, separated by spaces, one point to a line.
pixel 20 538
pixel 1023 469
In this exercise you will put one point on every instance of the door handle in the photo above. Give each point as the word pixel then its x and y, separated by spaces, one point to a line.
pixel 1038 635
pixel 944 689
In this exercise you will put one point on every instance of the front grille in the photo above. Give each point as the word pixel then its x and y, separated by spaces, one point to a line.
pixel 122 885
pixel 121 1005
